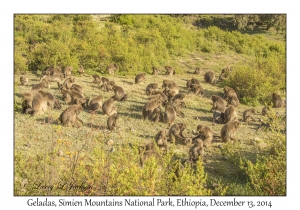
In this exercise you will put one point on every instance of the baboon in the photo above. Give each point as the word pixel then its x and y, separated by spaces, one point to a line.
pixel 82 101
pixel 161 139
pixel 230 114
pixel 108 107
pixel 169 70
pixel 52 102
pixel 168 83
pixel 179 96
pixel 109 86
pixel 175 133
pixel 150 88
pixel 95 103
pixel 149 107
pixel 192 81
pixel 70 115
pixel 77 88
pixel 225 73
pixel 106 84
pixel 80 70
pixel 196 150
pixel 197 70
pixel 232 100
pixel 169 115
pixel 105 81
pixel 112 121
pixel 155 71
pixel 97 79
pixel 248 114
pixel 147 151
pixel 229 92
pixel 24 80
pixel 196 89
pixel 34 103
pixel 206 133
pixel 177 105
pixel 171 91
pixel 68 83
pixel 40 86
pixel 53 78
pixel 159 95
pixel 140 78
pixel 218 117
pixel 112 68
pixel 52 71
pixel 156 115
pixel 67 95
pixel 228 131
pixel 209 77
pixel 67 71
pixel 120 94
pixel 278 102
pixel 218 104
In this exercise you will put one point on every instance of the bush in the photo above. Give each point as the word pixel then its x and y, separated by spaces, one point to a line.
pixel 255 83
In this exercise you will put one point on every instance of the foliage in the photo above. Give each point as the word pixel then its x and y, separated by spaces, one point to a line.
pixel 252 21
pixel 268 175
pixel 105 172
pixel 255 83
pixel 135 42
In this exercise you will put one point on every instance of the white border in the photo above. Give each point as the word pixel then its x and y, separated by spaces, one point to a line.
pixel 8 8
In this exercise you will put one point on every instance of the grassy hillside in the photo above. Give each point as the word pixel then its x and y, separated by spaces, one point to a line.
pixel 49 154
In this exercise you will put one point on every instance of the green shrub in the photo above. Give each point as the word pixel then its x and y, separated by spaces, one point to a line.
pixel 268 175
pixel 255 83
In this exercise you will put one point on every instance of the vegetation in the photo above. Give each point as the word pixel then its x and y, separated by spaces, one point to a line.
pixel 78 161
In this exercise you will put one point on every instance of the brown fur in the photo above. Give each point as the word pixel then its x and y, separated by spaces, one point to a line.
pixel 228 131
pixel 108 107
pixel 175 133
pixel 70 115
pixel 169 70
pixel 230 114
pixel 248 114
pixel 197 89
pixel 23 80
pixel 196 150
pixel 120 94
pixel 34 103
pixel 225 73
pixel 67 71
pixel 218 104
pixel 40 86
pixel 112 121
pixel 209 77
pixel 150 88
pixel 169 115
pixel 52 102
pixel 97 79
pixel 149 107
pixel 206 133
pixel 229 92
pixel 161 139
pixel 234 101
pixel 112 68
pixel 139 78
pixel 96 103
pixel 278 102
pixel 155 71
